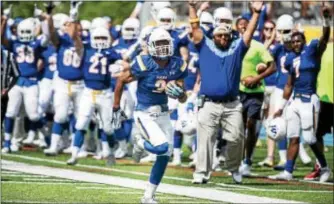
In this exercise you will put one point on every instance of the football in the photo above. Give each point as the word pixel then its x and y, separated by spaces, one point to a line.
pixel 260 68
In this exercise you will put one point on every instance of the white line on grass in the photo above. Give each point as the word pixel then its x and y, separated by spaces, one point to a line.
pixel 25 176
pixel 46 183
pixel 125 192
pixel 189 191
pixel 100 188
pixel 49 180
pixel 10 172
pixel 29 201
pixel 277 190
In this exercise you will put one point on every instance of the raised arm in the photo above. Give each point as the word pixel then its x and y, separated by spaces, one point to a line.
pixel 197 33
pixel 248 35
pixel 326 29
pixel 4 18
pixel 136 11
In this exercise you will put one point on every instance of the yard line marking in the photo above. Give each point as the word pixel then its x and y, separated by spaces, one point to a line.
pixel 277 190
pixel 10 172
pixel 25 176
pixel 173 198
pixel 29 201
pixel 125 192
pixel 53 180
pixel 189 191
pixel 46 183
pixel 100 188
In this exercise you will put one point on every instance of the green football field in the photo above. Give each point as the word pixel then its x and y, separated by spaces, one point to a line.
pixel 33 188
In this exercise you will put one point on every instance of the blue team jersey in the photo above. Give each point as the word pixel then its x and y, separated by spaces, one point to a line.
pixel 49 61
pixel 220 70
pixel 193 66
pixel 85 37
pixel 152 79
pixel 263 18
pixel 26 55
pixel 95 67
pixel 305 68
pixel 208 30
pixel 121 46
pixel 271 80
pixel 180 38
pixel 115 32
pixel 279 53
pixel 68 61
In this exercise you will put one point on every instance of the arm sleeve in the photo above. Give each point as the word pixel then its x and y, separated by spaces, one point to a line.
pixel 138 68
pixel 242 48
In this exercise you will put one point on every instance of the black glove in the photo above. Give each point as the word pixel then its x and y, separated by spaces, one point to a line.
pixel 49 6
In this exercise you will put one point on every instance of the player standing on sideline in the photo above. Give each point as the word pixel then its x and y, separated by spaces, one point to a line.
pixel 159 74
pixel 303 65
pixel 27 49
pixel 325 93
pixel 68 84
pixel 220 107
pixel 251 91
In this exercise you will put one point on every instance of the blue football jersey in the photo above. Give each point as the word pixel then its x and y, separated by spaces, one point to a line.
pixel 153 79
pixel 115 32
pixel 49 61
pixel 279 53
pixel 121 46
pixel 193 65
pixel 96 67
pixel 27 54
pixel 68 61
pixel 263 18
pixel 305 68
pixel 179 39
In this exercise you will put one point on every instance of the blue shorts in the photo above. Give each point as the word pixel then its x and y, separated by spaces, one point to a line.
pixel 251 104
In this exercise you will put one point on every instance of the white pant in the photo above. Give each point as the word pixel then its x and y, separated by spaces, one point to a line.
pixel 127 104
pixel 156 126
pixel 92 100
pixel 66 92
pixel 45 95
pixel 268 95
pixel 303 116
pixel 29 95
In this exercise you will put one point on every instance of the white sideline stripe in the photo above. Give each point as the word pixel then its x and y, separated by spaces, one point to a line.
pixel 53 180
pixel 25 176
pixel 277 190
pixel 195 192
pixel 10 172
pixel 125 192
pixel 46 183
pixel 100 188
pixel 29 201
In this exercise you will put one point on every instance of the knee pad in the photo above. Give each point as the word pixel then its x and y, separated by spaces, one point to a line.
pixel 108 129
pixel 34 117
pixel 60 117
pixel 309 136
pixel 82 123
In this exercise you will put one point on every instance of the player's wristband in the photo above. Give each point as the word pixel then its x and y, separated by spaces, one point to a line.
pixel 326 22
pixel 282 103
pixel 194 20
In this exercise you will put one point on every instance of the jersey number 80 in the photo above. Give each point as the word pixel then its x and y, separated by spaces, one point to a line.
pixel 71 58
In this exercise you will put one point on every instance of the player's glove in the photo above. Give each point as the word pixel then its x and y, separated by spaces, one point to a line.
pixel 37 12
pixel 118 116
pixel 74 10
pixel 173 90
pixel 49 6
pixel 8 11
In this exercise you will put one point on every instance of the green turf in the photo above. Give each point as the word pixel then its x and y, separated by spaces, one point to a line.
pixel 219 177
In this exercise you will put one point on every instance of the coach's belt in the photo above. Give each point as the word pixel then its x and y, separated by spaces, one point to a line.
pixel 225 100
pixel 306 98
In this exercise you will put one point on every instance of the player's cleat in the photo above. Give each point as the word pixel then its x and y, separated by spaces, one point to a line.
pixel 314 175
pixel 98 156
pixel 121 151
pixel 5 150
pixel 175 162
pixel 30 139
pixel 68 150
pixel 50 152
pixel 149 158
pixel 145 200
pixel 280 166
pixel 284 175
pixel 137 152
pixel 244 169
pixel 199 179
pixel 266 162
pixel 72 161
pixel 237 177
pixel 14 147
pixel 325 173
pixel 83 154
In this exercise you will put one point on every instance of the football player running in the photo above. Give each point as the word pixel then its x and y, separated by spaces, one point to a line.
pixel 27 49
pixel 303 65
pixel 159 75
pixel 68 84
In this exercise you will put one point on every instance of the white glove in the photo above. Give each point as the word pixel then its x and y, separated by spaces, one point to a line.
pixel 118 116
pixel 37 12
pixel 74 10
pixel 7 12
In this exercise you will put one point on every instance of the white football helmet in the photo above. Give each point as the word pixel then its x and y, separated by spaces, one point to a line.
pixel 160 51
pixel 85 24
pixel 222 13
pixel 130 29
pixel 100 38
pixel 26 30
pixel 99 22
pixel 156 6
pixel 276 128
pixel 285 24
pixel 166 18
pixel 206 18
pixel 59 20
pixel 186 124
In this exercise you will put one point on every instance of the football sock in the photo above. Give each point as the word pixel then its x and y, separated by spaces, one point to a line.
pixel 79 138
pixel 158 169
pixel 289 165
pixel 9 125
pixel 177 139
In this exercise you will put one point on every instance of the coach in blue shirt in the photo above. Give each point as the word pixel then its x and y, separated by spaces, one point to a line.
pixel 220 61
